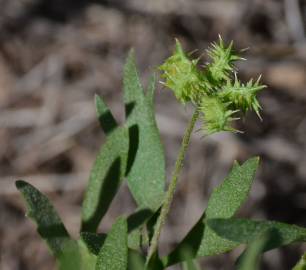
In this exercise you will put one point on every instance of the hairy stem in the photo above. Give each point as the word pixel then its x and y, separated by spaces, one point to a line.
pixel 172 186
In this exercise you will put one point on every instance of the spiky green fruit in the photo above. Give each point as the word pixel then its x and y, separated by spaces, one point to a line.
pixel 182 76
pixel 242 96
pixel 217 116
pixel 222 61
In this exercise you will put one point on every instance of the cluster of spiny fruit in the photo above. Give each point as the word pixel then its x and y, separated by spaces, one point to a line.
pixel 215 90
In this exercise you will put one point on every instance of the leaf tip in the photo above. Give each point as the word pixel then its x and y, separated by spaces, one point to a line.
pixel 256 160
pixel 98 101
pixel 236 163
pixel 122 221
pixel 20 184
pixel 97 97
pixel 131 54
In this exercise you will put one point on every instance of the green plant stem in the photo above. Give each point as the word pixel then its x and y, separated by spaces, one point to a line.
pixel 172 186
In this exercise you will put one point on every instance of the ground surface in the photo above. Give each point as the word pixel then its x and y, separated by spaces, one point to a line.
pixel 55 55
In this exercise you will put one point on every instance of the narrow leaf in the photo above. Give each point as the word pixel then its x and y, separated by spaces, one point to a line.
pixel 151 90
pixel 227 198
pixel 138 218
pixel 152 223
pixel 135 261
pixel 250 259
pixel 88 259
pixel 224 202
pixel 49 226
pixel 114 252
pixel 72 250
pixel 146 163
pixel 154 263
pixel 134 239
pixel 189 263
pixel 135 225
pixel 244 231
pixel 105 179
pixel 94 243
pixel 106 119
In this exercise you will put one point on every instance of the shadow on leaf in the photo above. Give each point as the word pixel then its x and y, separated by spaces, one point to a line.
pixel 138 218
pixel 133 146
pixel 191 242
pixel 108 191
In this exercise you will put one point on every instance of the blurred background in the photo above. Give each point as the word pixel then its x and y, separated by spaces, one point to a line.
pixel 55 55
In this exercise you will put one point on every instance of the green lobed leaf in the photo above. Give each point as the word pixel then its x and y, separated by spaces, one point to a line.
pixel 105 178
pixel 49 225
pixel 244 231
pixel 224 202
pixel 114 252
pixel 146 164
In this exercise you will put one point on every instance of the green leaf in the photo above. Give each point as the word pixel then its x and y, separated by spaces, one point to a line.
pixel 134 239
pixel 138 218
pixel 244 231
pixel 49 226
pixel 106 119
pixel 135 225
pixel 227 198
pixel 86 257
pixel 250 259
pixel 114 252
pixel 72 257
pixel 135 261
pixel 95 241
pixel 301 265
pixel 154 263
pixel 189 263
pixel 224 202
pixel 92 243
pixel 146 165
pixel 105 178
pixel 152 223
pixel 151 90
